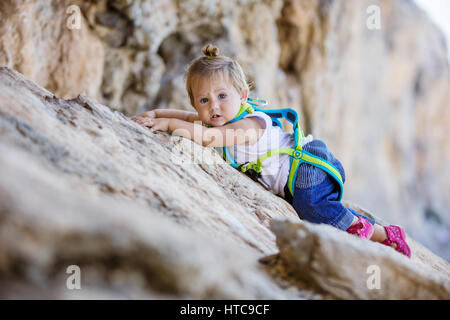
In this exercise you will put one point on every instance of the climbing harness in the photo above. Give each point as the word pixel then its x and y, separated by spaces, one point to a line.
pixel 297 154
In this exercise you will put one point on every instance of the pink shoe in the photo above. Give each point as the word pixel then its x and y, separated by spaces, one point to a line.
pixel 396 239
pixel 362 228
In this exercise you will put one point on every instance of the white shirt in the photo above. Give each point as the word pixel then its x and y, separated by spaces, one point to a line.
pixel 275 170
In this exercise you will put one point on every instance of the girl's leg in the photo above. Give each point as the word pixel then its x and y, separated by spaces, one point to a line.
pixel 379 233
pixel 372 222
pixel 361 226
pixel 393 236
pixel 319 204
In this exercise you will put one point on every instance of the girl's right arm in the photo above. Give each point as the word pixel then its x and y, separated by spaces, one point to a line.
pixel 168 113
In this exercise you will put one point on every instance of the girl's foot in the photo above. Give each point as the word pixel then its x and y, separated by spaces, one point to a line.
pixel 396 239
pixel 362 228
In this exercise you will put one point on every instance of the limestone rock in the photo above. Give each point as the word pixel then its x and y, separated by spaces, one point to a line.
pixel 83 185
pixel 148 215
pixel 37 39
pixel 378 97
pixel 381 91
pixel 348 267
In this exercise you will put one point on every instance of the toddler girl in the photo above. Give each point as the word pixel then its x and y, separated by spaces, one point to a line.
pixel 218 91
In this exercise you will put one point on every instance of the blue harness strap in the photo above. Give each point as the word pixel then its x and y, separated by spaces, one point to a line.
pixel 298 155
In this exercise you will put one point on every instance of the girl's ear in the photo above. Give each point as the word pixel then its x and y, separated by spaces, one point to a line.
pixel 244 95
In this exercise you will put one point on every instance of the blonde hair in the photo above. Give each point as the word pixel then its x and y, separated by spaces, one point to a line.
pixel 212 63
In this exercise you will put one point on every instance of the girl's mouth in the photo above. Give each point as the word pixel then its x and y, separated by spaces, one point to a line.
pixel 216 117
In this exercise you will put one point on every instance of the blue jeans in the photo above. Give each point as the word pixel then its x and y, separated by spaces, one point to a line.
pixel 319 204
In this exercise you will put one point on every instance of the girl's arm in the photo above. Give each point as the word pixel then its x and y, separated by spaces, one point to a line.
pixel 245 131
pixel 168 113
pixel 177 114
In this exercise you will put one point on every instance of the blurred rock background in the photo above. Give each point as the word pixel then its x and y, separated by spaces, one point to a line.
pixel 378 97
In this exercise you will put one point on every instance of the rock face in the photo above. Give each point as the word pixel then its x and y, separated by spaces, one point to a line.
pixel 83 185
pixel 377 96
pixel 36 41
pixel 351 268
pixel 148 215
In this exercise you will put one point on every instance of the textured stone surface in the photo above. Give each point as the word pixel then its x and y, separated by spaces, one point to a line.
pixel 153 216
pixel 346 266
pixel 378 97
pixel 81 184
pixel 35 40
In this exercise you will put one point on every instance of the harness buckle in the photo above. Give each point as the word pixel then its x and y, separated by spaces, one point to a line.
pixel 298 154
pixel 253 174
pixel 256 176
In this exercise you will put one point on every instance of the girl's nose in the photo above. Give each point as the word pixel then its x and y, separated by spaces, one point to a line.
pixel 214 105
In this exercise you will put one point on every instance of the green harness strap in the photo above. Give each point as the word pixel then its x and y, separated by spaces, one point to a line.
pixel 297 154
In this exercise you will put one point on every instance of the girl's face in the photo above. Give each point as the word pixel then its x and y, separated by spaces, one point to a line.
pixel 216 99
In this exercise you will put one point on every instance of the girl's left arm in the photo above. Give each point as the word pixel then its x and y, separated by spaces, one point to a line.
pixel 244 131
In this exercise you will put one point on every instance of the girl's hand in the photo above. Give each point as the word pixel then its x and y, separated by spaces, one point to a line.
pixel 149 114
pixel 158 124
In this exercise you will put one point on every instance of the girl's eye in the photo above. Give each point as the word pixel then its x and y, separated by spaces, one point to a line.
pixel 203 100
pixel 222 96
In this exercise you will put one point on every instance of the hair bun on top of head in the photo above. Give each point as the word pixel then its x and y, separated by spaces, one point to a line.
pixel 210 51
